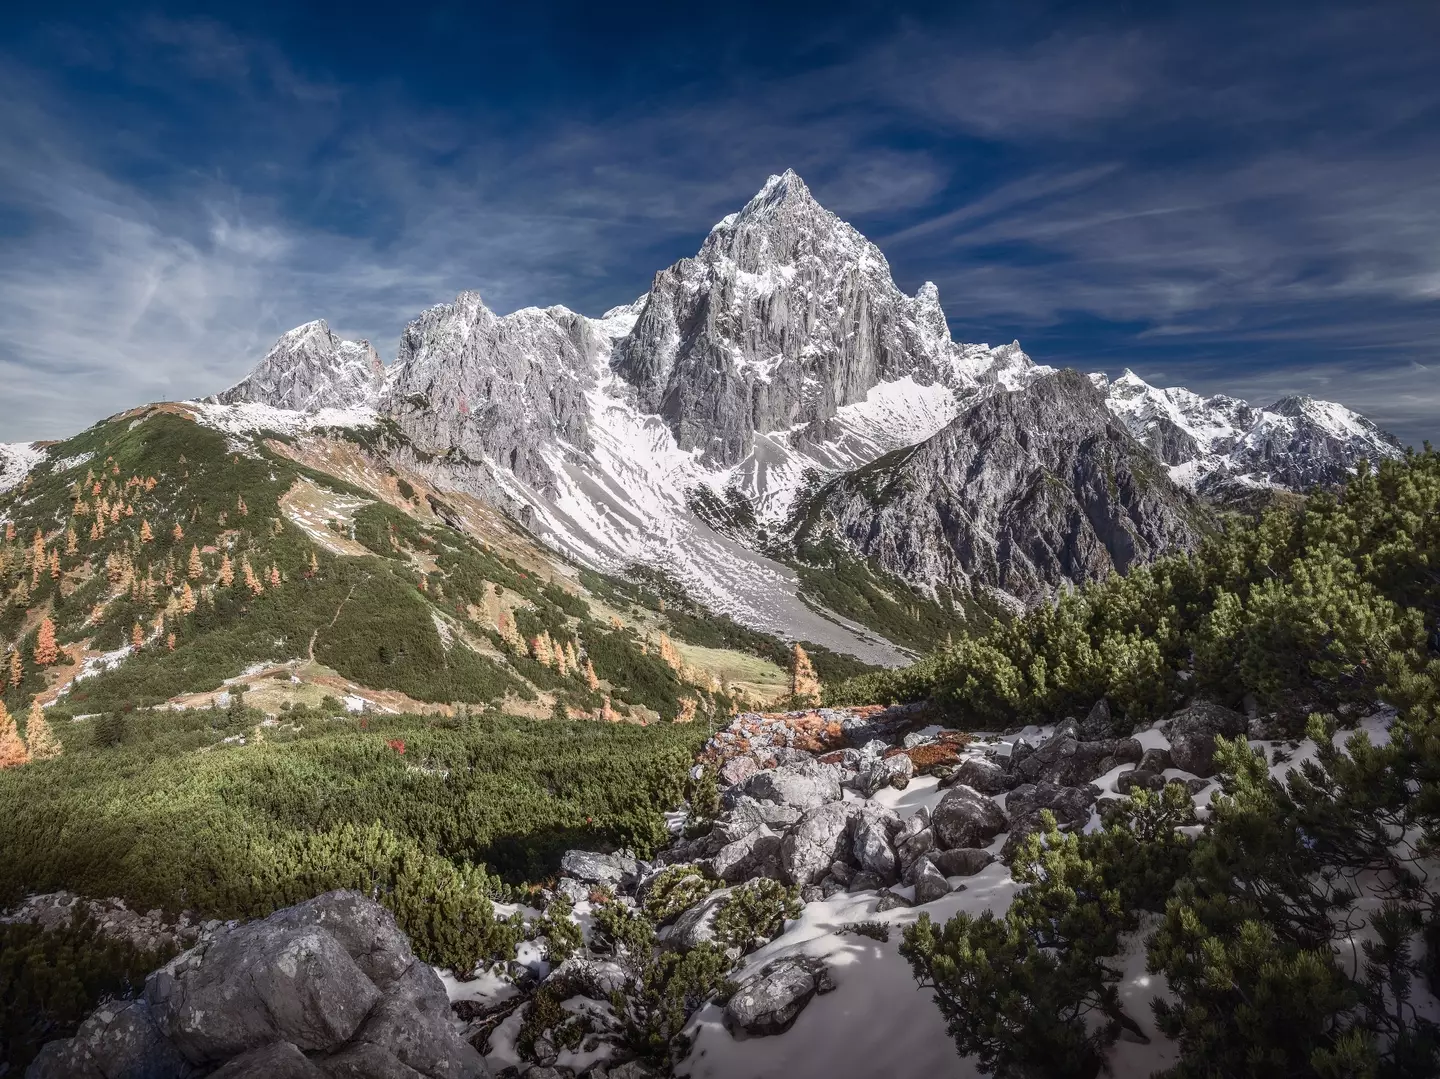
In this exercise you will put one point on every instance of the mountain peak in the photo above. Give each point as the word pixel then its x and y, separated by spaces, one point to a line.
pixel 309 368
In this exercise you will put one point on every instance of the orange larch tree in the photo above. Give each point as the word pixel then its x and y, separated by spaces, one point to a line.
pixel 40 740
pixel 12 748
pixel 46 650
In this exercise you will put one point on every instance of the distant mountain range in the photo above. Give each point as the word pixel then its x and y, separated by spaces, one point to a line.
pixel 776 396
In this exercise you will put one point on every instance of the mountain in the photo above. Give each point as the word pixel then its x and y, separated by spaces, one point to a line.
pixel 1219 445
pixel 310 369
pixel 1025 491
pixel 690 430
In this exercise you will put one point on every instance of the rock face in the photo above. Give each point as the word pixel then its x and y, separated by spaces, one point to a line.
pixel 310 368
pixel 1024 491
pixel 800 786
pixel 509 391
pixel 821 837
pixel 328 987
pixel 785 315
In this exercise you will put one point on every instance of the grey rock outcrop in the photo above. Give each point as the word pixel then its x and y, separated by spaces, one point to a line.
pixel 308 369
pixel 803 785
pixel 332 978
pixel 984 774
pixel 1067 762
pixel 963 861
pixel 1024 491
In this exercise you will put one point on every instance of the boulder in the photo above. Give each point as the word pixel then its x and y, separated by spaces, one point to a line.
pixel 1155 760
pixel 821 837
pixel 280 1060
pixel 889 901
pixel 737 770
pixel 803 785
pixel 1098 722
pixel 984 774
pixel 120 1040
pixel 769 1002
pixel 594 979
pixel 754 855
pixel 328 987
pixel 866 881
pixel 962 862
pixel 697 925
pixel 930 883
pixel 1070 805
pixel 871 847
pixel 911 849
pixel 257 984
pixel 592 868
pixel 893 771
pixel 1140 779
pixel 966 818
pixel 1192 733
pixel 1067 762
pixel 746 814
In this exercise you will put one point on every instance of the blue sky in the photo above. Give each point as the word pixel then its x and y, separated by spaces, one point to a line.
pixel 1236 198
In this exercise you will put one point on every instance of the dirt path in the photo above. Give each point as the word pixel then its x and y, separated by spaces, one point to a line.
pixel 316 633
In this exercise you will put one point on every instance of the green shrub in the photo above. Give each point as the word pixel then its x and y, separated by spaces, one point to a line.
pixel 676 890
pixel 667 990
pixel 562 935
pixel 754 914
pixel 51 980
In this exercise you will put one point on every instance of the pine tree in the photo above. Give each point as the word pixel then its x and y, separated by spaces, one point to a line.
pixel 9 531
pixel 668 652
pixel 590 679
pixel 274 576
pixel 804 685
pixel 17 671
pixel 12 749
pixel 170 641
pixel 540 649
pixel 55 564
pixel 137 637
pixel 46 651
pixel 95 530
pixel 72 541
pixel 252 582
pixel 40 740
pixel 146 533
pixel 226 576
pixel 187 598
pixel 314 566
pixel 177 533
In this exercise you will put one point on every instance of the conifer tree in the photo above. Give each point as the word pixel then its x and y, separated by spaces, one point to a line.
pixel 177 533
pixel 12 748
pixel 146 533
pixel 55 563
pixel 274 576
pixel 804 685
pixel 46 651
pixel 226 576
pixel 314 566
pixel 170 640
pixel 247 573
pixel 137 637
pixel 72 541
pixel 187 598
pixel 590 679
pixel 9 531
pixel 95 530
pixel 40 740
pixel 17 671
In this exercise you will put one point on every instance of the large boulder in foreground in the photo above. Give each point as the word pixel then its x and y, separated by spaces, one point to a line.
pixel 803 785
pixel 328 987
pixel 821 837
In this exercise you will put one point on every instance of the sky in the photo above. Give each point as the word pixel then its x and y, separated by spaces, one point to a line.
pixel 1237 198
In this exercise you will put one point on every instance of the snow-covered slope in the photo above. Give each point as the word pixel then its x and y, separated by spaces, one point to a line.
pixel 1213 443
pixel 16 461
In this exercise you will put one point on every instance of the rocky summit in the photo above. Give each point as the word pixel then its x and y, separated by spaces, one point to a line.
pixel 692 428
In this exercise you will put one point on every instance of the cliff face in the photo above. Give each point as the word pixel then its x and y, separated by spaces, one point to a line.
pixel 310 369
pixel 1023 492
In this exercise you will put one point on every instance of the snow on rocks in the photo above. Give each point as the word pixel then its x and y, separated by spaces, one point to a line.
pixel 770 1002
